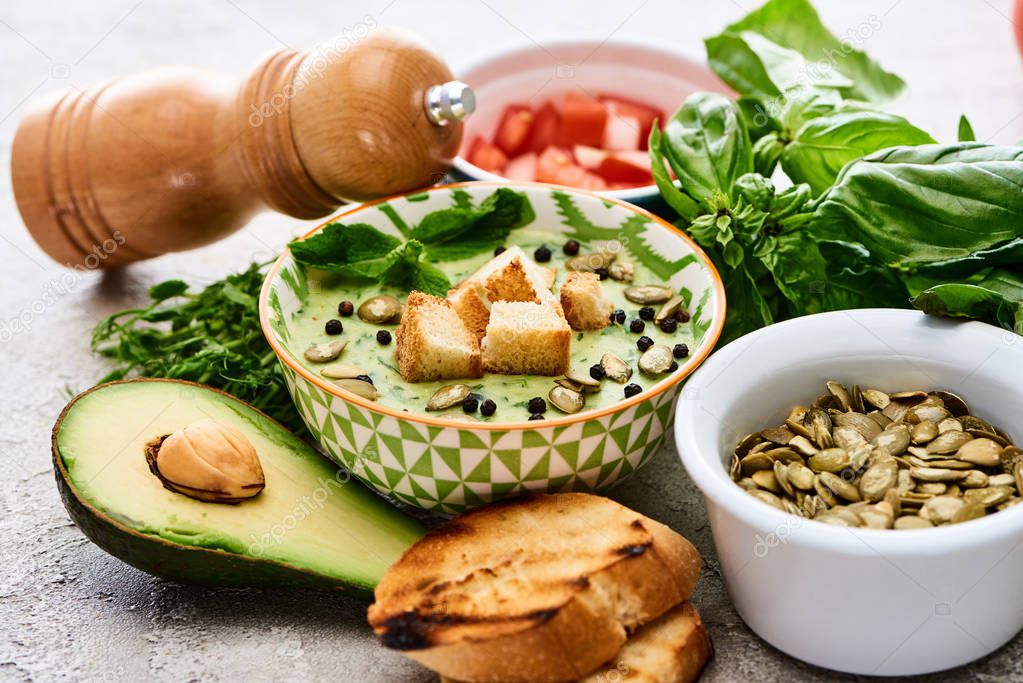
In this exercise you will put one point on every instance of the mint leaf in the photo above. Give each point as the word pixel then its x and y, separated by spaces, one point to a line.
pixel 446 224
pixel 431 280
pixel 339 245
pixel 167 290
pixel 498 215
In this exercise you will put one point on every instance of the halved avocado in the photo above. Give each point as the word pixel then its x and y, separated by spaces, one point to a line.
pixel 311 525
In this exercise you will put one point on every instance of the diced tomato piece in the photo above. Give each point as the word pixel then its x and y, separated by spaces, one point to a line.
pixel 556 166
pixel 486 156
pixel 545 128
pixel 522 167
pixel 583 119
pixel 513 130
pixel 644 113
pixel 621 134
pixel 615 169
pixel 588 157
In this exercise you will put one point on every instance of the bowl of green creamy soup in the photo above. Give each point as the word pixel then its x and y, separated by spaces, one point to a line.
pixel 474 341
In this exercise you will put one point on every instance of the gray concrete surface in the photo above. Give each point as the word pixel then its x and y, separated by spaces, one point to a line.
pixel 69 611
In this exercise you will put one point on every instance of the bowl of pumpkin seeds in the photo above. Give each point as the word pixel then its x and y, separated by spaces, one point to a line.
pixel 862 473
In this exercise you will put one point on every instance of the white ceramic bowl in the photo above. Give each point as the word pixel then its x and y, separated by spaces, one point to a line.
pixel 531 74
pixel 858 600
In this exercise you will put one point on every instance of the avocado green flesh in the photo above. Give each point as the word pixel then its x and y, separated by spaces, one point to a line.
pixel 511 393
pixel 309 516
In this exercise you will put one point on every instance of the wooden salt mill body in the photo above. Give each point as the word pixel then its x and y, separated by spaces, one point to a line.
pixel 175 159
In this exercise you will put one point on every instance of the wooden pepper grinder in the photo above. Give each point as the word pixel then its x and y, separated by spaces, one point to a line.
pixel 175 159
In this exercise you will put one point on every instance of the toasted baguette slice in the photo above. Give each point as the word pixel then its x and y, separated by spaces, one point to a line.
pixel 673 648
pixel 509 276
pixel 544 588
pixel 526 339
pixel 432 342
pixel 585 304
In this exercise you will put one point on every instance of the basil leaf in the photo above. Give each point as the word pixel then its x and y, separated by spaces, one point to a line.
pixel 757 66
pixel 684 205
pixel 966 133
pixel 1008 254
pixel 338 245
pixel 997 299
pixel 795 24
pixel 854 280
pixel 913 205
pixel 766 154
pixel 824 144
pixel 747 308
pixel 707 146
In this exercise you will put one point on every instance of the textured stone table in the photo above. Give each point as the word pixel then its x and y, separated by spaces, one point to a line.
pixel 67 610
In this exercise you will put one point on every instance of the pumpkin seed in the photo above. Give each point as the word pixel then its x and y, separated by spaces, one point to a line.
pixel 656 360
pixel 878 399
pixel 769 498
pixel 802 445
pixel 839 486
pixel 590 263
pixel 648 294
pixel 380 310
pixel 974 479
pixel 1001 480
pixel 941 509
pixel 766 479
pixel 841 393
pixel 954 403
pixel 326 352
pixel 669 309
pixel 936 474
pixel 819 423
pixel 867 428
pixel 448 396
pixel 949 424
pixel 359 388
pixel 981 451
pixel 622 271
pixel 911 522
pixel 779 435
pixel 878 479
pixel 566 400
pixel 747 442
pixel 923 412
pixel 847 437
pixel 342 371
pixel 895 439
pixel 988 496
pixel 800 476
pixel 924 431
pixel 948 442
pixel 829 460
pixel 616 369
pixel 587 385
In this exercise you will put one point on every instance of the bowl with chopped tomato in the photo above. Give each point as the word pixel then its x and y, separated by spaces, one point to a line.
pixel 576 113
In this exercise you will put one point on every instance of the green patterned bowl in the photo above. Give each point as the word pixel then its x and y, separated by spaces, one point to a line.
pixel 449 466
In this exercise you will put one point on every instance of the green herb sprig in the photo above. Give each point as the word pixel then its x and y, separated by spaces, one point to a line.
pixel 868 210
pixel 361 251
pixel 211 336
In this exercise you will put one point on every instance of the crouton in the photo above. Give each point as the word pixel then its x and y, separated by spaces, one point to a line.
pixel 509 276
pixel 526 338
pixel 433 342
pixel 585 304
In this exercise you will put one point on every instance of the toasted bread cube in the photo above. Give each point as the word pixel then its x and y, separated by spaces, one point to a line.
pixel 432 342
pixel 526 338
pixel 585 304
pixel 509 276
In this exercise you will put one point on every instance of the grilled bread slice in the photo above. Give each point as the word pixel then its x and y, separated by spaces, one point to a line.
pixel 673 648
pixel 432 342
pixel 543 588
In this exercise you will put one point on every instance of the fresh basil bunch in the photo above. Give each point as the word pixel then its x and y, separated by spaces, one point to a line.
pixel 874 212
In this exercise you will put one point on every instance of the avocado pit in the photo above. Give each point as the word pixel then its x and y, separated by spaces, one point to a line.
pixel 207 461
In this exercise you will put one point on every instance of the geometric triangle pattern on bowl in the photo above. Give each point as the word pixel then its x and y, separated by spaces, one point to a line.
pixel 451 470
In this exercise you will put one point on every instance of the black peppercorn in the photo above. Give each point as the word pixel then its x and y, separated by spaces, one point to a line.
pixel 345 308
pixel 535 416
pixel 364 378
pixel 618 316
pixel 644 343
pixel 682 315
pixel 488 407
pixel 542 254
pixel 601 273
pixel 668 325
pixel 680 351
pixel 571 248
pixel 384 337
pixel 597 371
pixel 632 389
pixel 673 367
pixel 537 405
pixel 637 325
pixel 334 327
pixel 499 250
pixel 646 313
pixel 470 404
